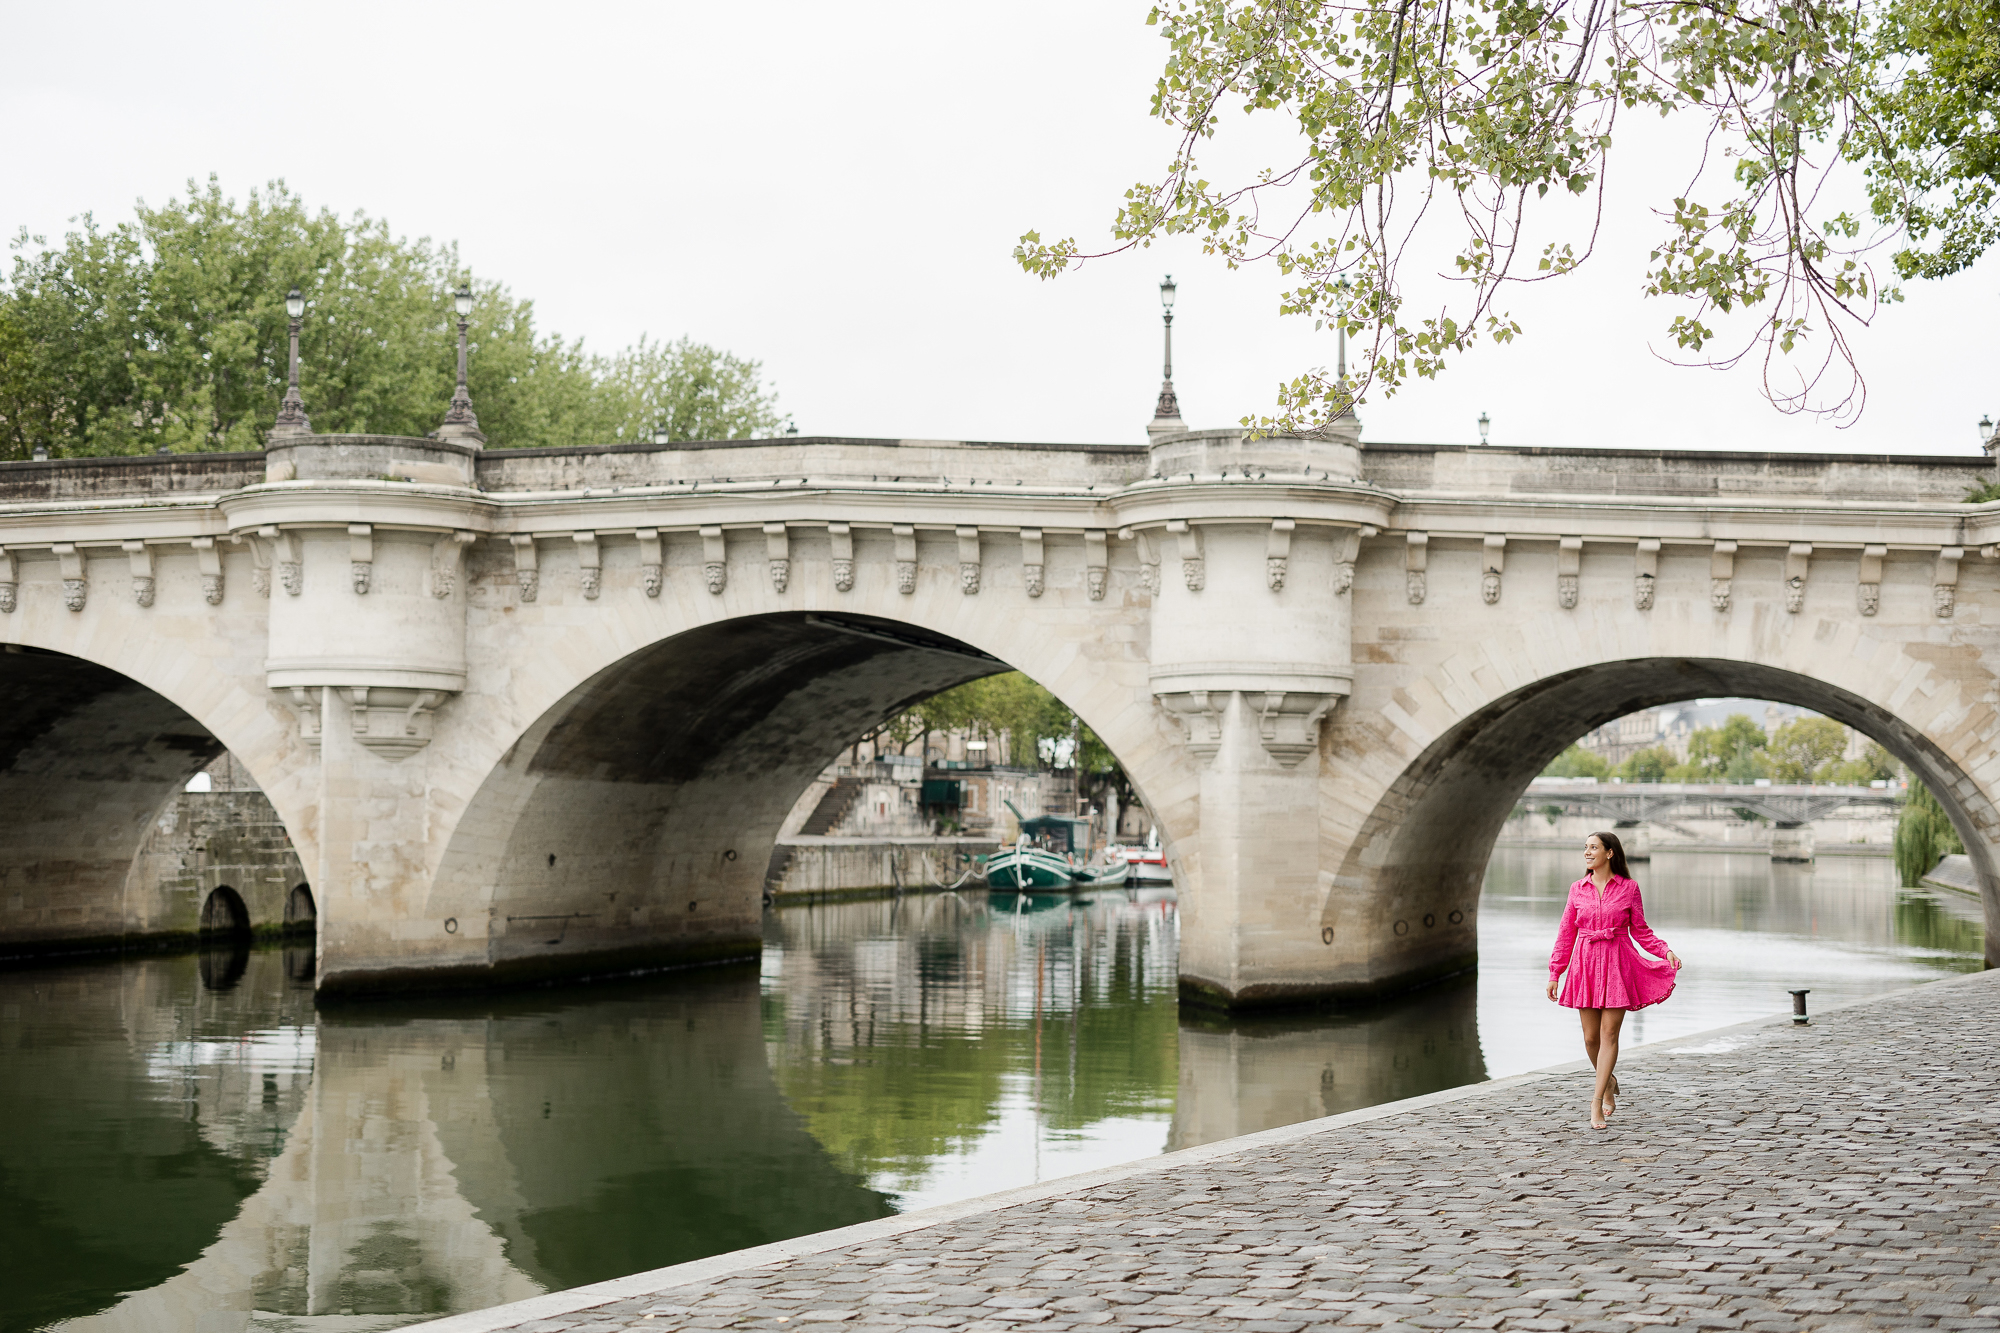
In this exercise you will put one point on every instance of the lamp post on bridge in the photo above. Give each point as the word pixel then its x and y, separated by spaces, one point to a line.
pixel 1167 410
pixel 292 409
pixel 460 420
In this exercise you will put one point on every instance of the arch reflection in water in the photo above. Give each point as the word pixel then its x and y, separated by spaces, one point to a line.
pixel 953 1045
pixel 1241 1075
pixel 415 1160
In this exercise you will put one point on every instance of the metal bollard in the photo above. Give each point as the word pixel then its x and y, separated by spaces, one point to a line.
pixel 1799 1006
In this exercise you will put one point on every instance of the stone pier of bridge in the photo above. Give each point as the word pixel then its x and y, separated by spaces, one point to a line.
pixel 528 713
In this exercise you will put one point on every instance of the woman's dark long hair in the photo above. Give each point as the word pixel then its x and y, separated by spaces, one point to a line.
pixel 1617 850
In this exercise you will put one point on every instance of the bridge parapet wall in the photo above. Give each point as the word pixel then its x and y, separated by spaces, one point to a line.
pixel 1640 474
pixel 55 480
pixel 813 458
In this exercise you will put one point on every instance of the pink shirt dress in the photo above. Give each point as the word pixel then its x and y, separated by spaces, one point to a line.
pixel 1597 949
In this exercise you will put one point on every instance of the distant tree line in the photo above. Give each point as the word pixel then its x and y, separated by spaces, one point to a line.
pixel 1806 749
pixel 169 332
pixel 1036 727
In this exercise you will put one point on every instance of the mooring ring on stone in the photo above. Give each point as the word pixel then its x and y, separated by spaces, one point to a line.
pixel 1326 934
pixel 1430 919
pixel 1402 927
pixel 729 855
pixel 451 925
pixel 1456 916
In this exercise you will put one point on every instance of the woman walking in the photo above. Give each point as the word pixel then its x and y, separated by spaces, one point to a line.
pixel 1603 929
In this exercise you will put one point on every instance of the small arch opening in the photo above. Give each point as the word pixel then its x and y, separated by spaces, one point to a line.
pixel 301 914
pixel 223 915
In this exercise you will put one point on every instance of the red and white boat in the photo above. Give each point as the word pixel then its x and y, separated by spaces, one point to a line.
pixel 1146 865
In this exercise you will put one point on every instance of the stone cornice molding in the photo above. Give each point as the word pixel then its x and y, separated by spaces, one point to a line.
pixel 408 506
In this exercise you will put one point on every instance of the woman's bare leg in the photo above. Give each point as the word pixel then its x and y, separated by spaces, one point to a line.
pixel 1609 1023
pixel 1593 1025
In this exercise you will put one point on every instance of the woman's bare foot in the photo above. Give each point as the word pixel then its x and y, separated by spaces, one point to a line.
pixel 1610 1098
pixel 1596 1114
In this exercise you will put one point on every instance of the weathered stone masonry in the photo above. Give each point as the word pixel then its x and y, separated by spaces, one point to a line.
pixel 540 712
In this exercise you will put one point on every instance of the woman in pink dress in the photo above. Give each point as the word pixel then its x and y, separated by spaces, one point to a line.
pixel 1597 948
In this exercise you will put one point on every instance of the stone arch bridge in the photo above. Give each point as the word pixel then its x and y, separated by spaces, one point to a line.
pixel 528 713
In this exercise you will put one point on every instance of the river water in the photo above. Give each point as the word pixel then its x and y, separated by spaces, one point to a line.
pixel 189 1147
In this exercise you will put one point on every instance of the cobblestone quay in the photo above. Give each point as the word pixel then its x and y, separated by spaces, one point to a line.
pixel 1764 1177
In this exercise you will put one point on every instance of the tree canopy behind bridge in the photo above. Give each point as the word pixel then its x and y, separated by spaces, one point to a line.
pixel 169 331
pixel 1805 749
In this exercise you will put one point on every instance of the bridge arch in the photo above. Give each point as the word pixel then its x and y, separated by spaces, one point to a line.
pixel 89 754
pixel 1455 748
pixel 629 824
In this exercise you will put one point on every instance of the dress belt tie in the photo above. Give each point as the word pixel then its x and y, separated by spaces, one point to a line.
pixel 1608 933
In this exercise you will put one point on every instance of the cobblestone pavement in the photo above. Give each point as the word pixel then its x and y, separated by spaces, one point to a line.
pixel 1771 1178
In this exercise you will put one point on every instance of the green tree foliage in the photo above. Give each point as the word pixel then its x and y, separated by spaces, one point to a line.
pixel 1923 834
pixel 1577 762
pixel 1648 765
pixel 1728 753
pixel 169 331
pixel 1035 726
pixel 1874 765
pixel 1467 116
pixel 1940 184
pixel 1806 749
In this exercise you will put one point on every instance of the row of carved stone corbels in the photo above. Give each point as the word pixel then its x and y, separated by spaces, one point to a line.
pixel 279 549
pixel 1722 573
pixel 1277 556
pixel 76 573
pixel 265 544
pixel 1287 720
pixel 778 559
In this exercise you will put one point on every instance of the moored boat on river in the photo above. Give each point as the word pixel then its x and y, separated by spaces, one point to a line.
pixel 1103 874
pixel 1148 864
pixel 1025 867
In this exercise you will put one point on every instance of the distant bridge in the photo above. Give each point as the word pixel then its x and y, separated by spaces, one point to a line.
pixel 1651 802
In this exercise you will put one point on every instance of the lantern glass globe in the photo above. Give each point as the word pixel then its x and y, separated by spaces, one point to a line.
pixel 1167 291
pixel 462 302
pixel 295 305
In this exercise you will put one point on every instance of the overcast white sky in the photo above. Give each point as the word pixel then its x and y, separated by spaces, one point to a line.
pixel 835 189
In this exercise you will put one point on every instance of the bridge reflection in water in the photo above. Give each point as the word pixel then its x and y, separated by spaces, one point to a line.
pixel 191 1148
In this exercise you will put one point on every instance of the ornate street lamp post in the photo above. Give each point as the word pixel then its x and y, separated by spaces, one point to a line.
pixel 1168 409
pixel 461 414
pixel 292 409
